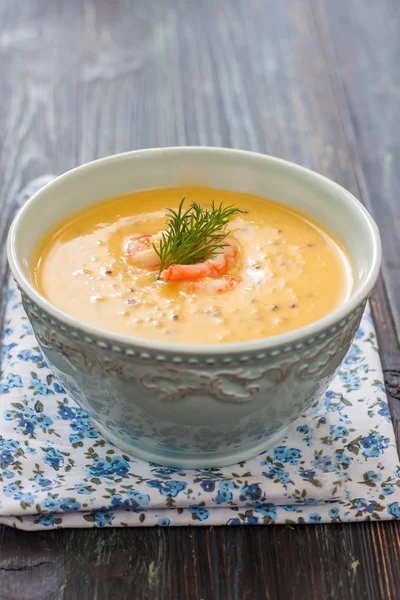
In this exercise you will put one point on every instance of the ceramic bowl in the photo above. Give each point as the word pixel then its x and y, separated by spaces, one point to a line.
pixel 191 405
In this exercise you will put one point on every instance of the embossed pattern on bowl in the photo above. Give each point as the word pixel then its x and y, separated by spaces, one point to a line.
pixel 187 405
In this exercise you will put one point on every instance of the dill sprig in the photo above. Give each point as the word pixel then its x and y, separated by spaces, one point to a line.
pixel 193 235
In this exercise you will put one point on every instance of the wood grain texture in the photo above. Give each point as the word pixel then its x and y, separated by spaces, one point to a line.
pixel 316 82
pixel 369 82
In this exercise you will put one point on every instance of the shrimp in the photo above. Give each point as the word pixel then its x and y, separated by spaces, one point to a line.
pixel 210 286
pixel 207 277
pixel 226 258
pixel 140 250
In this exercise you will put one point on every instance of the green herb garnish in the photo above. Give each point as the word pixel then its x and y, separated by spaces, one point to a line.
pixel 194 235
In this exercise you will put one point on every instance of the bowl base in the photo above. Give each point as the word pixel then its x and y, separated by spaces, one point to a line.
pixel 169 458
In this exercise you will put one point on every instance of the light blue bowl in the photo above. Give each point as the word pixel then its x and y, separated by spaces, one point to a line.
pixel 191 405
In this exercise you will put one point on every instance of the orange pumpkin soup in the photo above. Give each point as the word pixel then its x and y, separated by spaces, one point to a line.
pixel 276 269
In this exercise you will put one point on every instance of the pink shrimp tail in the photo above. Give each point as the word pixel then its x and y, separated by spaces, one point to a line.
pixel 140 251
pixel 214 267
pixel 138 244
pixel 177 272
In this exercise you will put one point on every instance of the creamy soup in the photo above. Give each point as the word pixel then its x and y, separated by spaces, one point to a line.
pixel 278 270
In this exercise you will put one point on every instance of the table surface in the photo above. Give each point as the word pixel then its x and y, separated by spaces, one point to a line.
pixel 316 82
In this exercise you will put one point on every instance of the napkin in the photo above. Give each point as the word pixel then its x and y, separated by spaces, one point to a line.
pixel 337 463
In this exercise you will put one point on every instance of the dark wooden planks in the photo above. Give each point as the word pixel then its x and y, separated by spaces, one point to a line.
pixel 366 53
pixel 326 562
pixel 362 50
pixel 80 80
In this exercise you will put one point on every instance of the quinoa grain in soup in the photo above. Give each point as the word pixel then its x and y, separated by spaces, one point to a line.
pixel 219 267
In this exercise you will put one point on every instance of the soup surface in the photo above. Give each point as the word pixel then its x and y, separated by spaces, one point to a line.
pixel 286 270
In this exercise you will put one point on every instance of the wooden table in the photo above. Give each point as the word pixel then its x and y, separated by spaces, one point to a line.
pixel 313 81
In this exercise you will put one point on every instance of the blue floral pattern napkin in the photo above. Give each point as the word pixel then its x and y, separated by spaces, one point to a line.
pixel 337 463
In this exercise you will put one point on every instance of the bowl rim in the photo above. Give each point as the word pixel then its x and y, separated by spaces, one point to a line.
pixel 295 336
